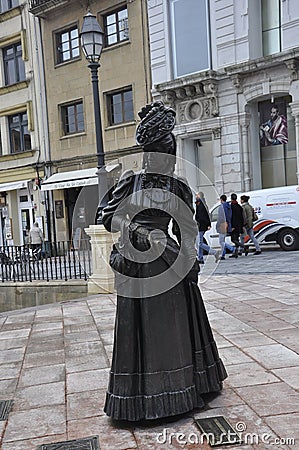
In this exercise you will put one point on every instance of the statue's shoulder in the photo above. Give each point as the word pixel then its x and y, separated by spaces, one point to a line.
pixel 184 190
pixel 183 183
pixel 182 179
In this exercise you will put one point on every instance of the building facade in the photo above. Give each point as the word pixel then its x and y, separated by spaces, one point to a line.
pixel 23 127
pixel 230 69
pixel 124 83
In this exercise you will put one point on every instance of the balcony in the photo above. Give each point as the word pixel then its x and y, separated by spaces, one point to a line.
pixel 41 7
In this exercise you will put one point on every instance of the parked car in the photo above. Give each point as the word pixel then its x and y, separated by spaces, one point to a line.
pixel 278 217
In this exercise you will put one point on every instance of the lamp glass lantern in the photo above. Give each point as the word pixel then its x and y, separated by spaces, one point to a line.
pixel 91 37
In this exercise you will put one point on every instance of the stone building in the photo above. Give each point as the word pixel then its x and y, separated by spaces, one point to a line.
pixel 124 83
pixel 23 126
pixel 225 66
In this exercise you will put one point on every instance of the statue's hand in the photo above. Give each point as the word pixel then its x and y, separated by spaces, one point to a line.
pixel 139 236
pixel 193 274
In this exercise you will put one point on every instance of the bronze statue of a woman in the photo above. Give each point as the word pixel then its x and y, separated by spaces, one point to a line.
pixel 164 353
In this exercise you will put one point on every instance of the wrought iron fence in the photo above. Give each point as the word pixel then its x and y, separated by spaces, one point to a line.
pixel 51 261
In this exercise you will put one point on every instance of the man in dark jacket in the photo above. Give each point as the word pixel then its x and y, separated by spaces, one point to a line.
pixel 238 226
pixel 204 223
pixel 224 224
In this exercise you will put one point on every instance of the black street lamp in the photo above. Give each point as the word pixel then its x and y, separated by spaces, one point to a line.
pixel 91 38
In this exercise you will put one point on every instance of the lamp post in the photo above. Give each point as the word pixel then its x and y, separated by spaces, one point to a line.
pixel 91 38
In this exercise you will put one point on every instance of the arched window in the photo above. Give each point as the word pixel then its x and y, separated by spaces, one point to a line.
pixel 277 143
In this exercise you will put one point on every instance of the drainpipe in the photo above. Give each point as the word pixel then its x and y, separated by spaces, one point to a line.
pixel 44 126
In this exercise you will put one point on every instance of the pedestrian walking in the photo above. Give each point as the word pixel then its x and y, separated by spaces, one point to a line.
pixel 224 225
pixel 202 218
pixel 238 226
pixel 36 237
pixel 248 216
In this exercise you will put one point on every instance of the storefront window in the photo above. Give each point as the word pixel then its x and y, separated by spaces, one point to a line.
pixel 277 143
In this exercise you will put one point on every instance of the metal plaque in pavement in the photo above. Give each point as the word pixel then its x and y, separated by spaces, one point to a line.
pixel 88 443
pixel 5 407
pixel 218 431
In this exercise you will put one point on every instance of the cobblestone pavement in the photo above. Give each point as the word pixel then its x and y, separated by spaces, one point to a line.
pixel 272 260
pixel 54 364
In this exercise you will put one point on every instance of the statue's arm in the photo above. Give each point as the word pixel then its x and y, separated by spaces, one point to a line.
pixel 114 214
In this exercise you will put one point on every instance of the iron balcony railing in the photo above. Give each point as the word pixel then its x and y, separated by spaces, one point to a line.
pixel 39 7
pixel 51 261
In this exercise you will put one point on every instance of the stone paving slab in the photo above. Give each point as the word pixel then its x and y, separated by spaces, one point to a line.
pixel 248 374
pixel 54 364
pixel 287 424
pixel 38 422
pixel 42 375
pixel 40 395
pixel 274 356
pixel 8 371
pixel 44 358
pixel 268 398
pixel 289 375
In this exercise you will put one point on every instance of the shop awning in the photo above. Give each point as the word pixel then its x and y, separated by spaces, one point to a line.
pixel 75 178
pixel 13 185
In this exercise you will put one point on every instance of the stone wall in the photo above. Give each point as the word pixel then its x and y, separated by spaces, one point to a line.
pixel 23 295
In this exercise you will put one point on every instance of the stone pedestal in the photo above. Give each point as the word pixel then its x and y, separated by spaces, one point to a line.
pixel 102 279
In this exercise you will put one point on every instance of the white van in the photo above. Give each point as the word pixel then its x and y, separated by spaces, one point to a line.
pixel 278 217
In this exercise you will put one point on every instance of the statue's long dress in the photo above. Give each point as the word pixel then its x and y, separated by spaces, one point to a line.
pixel 164 353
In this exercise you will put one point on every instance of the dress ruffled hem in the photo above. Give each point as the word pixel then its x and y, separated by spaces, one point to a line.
pixel 153 406
pixel 210 380
pixel 146 407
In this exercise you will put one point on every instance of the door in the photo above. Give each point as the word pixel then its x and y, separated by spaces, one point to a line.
pixel 26 217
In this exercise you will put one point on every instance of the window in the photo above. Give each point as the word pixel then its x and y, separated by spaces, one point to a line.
pixel 5 5
pixel 120 107
pixel 277 143
pixel 14 67
pixel 190 26
pixel 0 144
pixel 116 27
pixel 271 26
pixel 72 118
pixel 67 45
pixel 19 134
pixel 205 162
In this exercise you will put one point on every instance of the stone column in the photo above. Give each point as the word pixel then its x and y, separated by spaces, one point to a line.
pixel 295 111
pixel 102 279
pixel 245 150
pixel 297 142
pixel 217 156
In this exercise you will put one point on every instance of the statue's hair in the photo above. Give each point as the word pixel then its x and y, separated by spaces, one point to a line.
pixel 157 123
